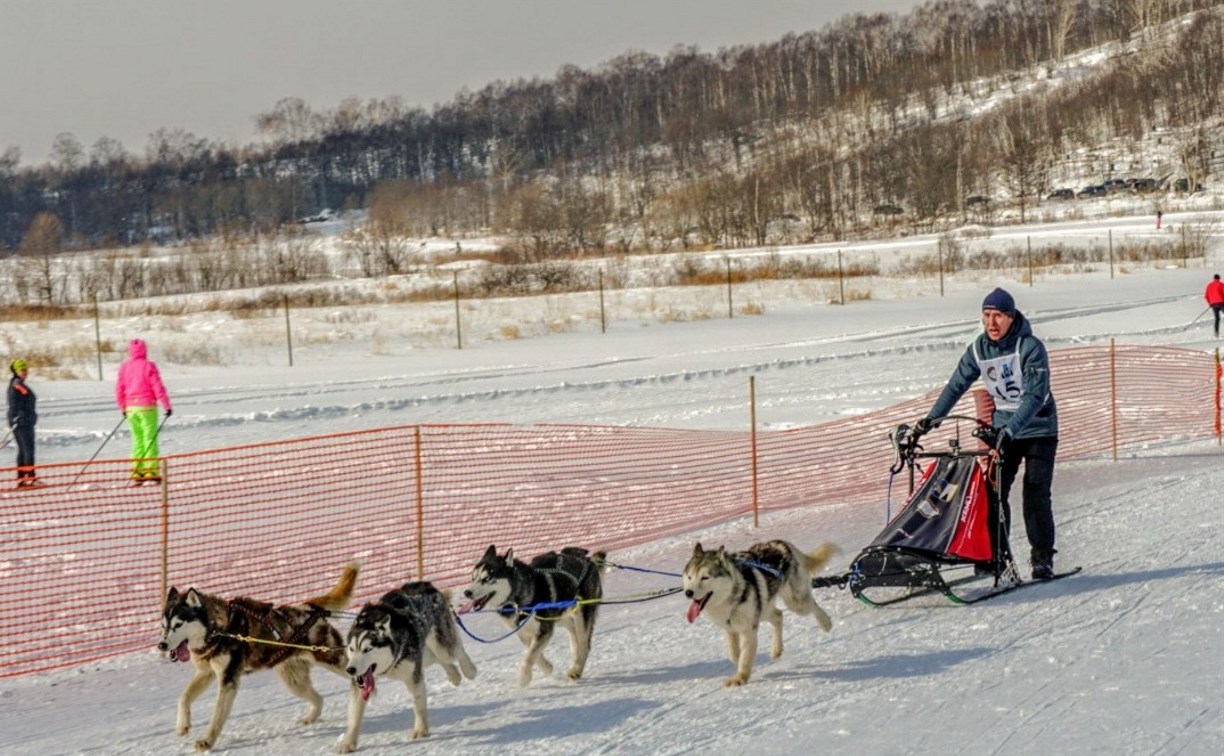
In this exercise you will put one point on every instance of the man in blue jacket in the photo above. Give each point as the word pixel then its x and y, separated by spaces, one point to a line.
pixel 1015 369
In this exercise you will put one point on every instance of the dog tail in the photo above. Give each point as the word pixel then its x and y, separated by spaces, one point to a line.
pixel 341 594
pixel 817 558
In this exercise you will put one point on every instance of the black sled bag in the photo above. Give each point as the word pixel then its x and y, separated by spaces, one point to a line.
pixel 944 522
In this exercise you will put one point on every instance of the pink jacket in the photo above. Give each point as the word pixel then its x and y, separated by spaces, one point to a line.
pixel 139 384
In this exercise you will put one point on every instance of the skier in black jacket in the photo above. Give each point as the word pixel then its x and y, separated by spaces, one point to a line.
pixel 22 417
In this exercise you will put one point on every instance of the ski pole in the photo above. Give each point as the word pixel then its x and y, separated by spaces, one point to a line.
pixel 99 451
pixel 5 440
pixel 1192 322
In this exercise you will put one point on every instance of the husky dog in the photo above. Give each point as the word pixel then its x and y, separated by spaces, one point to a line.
pixel 396 637
pixel 225 639
pixel 566 584
pixel 737 590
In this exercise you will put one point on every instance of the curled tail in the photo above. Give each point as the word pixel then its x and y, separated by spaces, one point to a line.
pixel 341 594
pixel 817 558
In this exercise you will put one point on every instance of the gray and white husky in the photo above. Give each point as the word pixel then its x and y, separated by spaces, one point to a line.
pixel 227 638
pixel 558 588
pixel 737 590
pixel 396 637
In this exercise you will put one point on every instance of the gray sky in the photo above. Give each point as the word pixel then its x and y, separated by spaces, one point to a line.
pixel 125 68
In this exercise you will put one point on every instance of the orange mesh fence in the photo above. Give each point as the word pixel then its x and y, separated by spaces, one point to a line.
pixel 86 559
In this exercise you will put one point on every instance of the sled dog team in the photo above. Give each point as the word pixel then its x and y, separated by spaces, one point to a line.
pixel 411 627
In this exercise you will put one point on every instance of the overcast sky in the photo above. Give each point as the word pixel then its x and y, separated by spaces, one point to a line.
pixel 125 68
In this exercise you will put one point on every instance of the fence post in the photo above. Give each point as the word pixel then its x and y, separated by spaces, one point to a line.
pixel 841 278
pixel 288 332
pixel 165 530
pixel 1113 397
pixel 756 516
pixel 730 306
pixel 420 504
pixel 97 336
pixel 1029 241
pixel 458 328
pixel 603 317
pixel 1111 265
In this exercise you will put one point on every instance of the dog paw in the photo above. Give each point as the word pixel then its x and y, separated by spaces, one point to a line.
pixel 345 747
pixel 182 729
pixel 203 745
pixel 574 673
pixel 734 682
pixel 419 733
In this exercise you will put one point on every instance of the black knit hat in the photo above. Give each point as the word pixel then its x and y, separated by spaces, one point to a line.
pixel 999 300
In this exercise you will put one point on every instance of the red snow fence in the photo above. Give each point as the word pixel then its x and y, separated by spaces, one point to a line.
pixel 86 559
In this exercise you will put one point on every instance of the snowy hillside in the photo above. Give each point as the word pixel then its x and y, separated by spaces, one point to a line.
pixel 1126 658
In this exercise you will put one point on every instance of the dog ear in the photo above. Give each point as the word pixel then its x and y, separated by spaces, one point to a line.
pixel 490 552
pixel 509 557
pixel 172 595
pixel 193 599
pixel 697 550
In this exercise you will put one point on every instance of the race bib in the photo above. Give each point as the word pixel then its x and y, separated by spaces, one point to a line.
pixel 1003 380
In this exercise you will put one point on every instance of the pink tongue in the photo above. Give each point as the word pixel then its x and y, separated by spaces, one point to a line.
pixel 693 611
pixel 180 653
pixel 367 684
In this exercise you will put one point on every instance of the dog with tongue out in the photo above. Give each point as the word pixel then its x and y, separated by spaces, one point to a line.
pixel 737 590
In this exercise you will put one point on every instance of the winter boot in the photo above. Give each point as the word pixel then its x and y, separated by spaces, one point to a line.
pixel 1043 564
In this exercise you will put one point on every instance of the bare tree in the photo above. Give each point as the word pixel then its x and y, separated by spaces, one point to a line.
pixel 42 242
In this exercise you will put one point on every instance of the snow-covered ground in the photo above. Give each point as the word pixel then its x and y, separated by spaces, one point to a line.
pixel 1126 658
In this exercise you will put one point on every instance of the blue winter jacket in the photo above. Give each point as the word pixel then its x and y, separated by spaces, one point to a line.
pixel 1016 372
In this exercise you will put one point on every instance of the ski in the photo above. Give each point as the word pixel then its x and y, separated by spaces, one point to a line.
pixel 1009 588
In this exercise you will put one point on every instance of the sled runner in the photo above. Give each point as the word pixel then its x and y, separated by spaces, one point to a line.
pixel 948 538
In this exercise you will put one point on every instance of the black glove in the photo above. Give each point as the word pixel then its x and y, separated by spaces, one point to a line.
pixel 925 426
pixel 169 412
pixel 995 438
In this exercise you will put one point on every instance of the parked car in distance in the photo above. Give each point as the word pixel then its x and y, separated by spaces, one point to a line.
pixel 887 210
pixel 977 199
pixel 1143 184
pixel 1096 190
pixel 1061 194
pixel 1115 185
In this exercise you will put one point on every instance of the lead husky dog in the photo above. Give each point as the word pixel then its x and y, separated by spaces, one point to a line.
pixel 225 639
pixel 566 586
pixel 396 637
pixel 737 590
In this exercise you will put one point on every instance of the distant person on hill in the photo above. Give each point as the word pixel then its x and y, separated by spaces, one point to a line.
pixel 138 391
pixel 21 420
pixel 1215 299
pixel 1015 368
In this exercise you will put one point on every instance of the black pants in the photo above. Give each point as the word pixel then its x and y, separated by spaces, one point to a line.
pixel 24 436
pixel 1037 454
pixel 1216 309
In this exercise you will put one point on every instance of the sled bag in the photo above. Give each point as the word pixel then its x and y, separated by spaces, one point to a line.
pixel 946 514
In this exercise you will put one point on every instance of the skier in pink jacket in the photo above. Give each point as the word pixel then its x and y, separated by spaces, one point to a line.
pixel 138 391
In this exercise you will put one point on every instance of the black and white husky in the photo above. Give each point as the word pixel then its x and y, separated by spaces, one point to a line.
pixel 737 590
pixel 227 638
pixel 396 637
pixel 558 588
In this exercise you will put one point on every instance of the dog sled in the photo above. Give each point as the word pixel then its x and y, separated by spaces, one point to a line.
pixel 949 537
